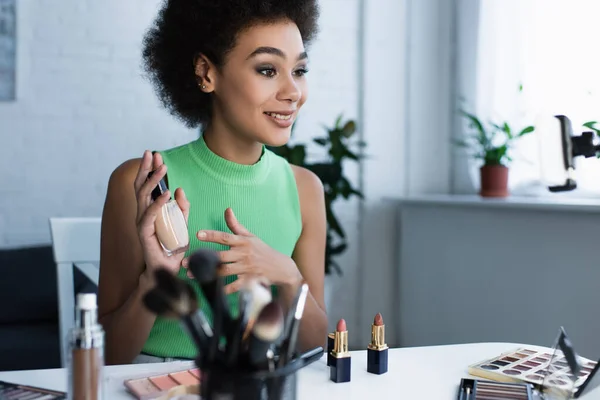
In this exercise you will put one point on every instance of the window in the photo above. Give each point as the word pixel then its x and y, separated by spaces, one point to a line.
pixel 550 47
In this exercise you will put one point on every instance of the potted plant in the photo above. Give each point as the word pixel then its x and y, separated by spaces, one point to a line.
pixel 492 144
pixel 338 143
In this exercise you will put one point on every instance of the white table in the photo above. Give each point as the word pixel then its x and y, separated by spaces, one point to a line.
pixel 418 372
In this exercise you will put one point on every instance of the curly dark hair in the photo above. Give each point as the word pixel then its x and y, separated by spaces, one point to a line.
pixel 185 28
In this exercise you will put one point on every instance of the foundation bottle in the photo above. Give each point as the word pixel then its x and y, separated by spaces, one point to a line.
pixel 171 228
pixel 86 348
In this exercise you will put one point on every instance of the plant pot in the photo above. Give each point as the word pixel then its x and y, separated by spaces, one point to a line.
pixel 494 181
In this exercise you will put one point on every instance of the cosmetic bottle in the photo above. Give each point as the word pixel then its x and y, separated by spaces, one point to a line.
pixel 86 351
pixel 171 228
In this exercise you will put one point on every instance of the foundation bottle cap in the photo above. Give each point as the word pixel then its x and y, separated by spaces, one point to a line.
pixel 159 189
pixel 86 301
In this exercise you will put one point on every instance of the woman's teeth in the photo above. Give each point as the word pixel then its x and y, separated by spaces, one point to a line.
pixel 279 116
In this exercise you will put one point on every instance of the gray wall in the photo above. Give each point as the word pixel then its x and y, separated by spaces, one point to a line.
pixel 472 271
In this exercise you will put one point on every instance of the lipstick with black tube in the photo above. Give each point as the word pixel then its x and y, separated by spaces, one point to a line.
pixel 330 342
pixel 339 370
pixel 377 350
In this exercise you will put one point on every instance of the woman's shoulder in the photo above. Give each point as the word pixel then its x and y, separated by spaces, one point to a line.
pixel 125 172
pixel 310 187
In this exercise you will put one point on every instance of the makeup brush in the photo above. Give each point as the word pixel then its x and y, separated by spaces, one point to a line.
pixel 253 296
pixel 174 299
pixel 266 330
pixel 288 347
pixel 257 292
pixel 204 264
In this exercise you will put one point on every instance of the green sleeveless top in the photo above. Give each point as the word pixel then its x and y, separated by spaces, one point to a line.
pixel 264 198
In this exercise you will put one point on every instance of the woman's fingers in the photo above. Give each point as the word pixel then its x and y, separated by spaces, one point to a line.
pixel 143 195
pixel 157 160
pixel 143 170
pixel 182 202
pixel 146 225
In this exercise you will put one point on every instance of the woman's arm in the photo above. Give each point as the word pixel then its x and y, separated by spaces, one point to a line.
pixel 121 286
pixel 309 256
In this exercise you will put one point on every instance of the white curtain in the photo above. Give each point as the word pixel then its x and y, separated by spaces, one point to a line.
pixel 552 49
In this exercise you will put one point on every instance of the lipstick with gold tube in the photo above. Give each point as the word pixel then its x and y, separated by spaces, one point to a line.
pixel 330 343
pixel 377 350
pixel 339 370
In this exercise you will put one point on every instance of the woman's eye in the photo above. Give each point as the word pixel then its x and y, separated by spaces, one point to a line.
pixel 301 72
pixel 268 72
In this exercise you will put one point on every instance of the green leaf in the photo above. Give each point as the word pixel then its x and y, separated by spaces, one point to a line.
pixel 482 136
pixel 590 125
pixel 297 155
pixel 349 129
pixel 338 121
pixel 339 249
pixel 320 141
pixel 525 131
pixel 506 129
pixel 351 155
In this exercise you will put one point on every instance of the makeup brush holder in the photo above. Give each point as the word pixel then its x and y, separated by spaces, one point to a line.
pixel 219 383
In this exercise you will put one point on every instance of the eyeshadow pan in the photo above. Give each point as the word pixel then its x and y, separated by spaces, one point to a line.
pixel 500 363
pixel 528 351
pixel 510 359
pixel 586 369
pixel 195 372
pixel 560 363
pixel 142 386
pixel 519 355
pixel 539 359
pixel 184 378
pixel 531 363
pixel 512 372
pixel 163 382
pixel 521 368
pixel 489 366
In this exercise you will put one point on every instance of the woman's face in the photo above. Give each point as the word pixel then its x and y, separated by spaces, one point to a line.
pixel 261 87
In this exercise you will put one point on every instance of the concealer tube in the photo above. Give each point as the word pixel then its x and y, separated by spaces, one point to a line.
pixel 171 228
pixel 86 345
pixel 377 350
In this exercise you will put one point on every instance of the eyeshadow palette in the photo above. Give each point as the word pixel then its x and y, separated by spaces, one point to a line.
pixel 11 391
pixel 165 385
pixel 531 365
pixel 473 389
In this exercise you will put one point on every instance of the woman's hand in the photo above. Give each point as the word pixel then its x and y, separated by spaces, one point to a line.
pixel 147 211
pixel 250 256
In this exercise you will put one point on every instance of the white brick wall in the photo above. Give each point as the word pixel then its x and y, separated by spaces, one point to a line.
pixel 82 106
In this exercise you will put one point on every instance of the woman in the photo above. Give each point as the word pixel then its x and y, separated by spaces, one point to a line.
pixel 236 68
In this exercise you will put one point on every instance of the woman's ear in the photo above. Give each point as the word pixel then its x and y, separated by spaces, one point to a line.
pixel 205 72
